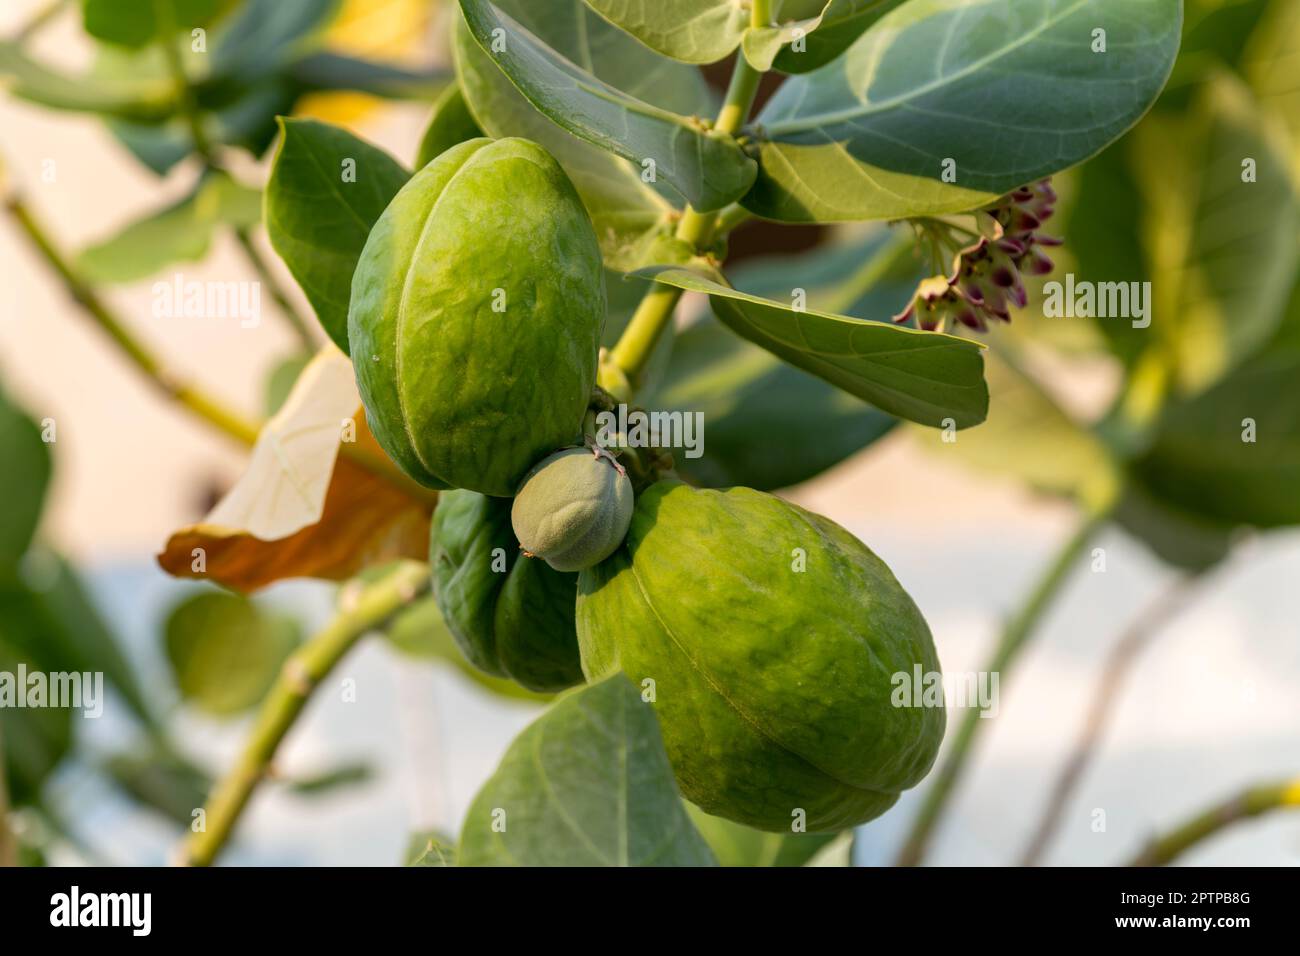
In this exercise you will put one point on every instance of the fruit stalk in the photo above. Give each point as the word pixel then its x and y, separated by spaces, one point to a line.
pixel 655 312
pixel 301 674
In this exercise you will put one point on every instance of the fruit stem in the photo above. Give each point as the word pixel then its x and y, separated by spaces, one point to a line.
pixel 1014 637
pixel 655 312
pixel 301 674
pixel 1250 802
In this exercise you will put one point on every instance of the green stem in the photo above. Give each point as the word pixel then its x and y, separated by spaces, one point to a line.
pixel 301 675
pixel 1251 802
pixel 1018 631
pixel 39 20
pixel 297 323
pixel 697 229
pixel 200 403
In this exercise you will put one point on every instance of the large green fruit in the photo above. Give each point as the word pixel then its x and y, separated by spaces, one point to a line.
pixel 772 684
pixel 512 616
pixel 476 316
pixel 573 508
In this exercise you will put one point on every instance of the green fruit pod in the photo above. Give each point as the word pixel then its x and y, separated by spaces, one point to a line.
pixel 511 617
pixel 476 315
pixel 772 640
pixel 573 509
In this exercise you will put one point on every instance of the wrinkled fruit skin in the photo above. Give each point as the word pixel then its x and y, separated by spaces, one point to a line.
pixel 516 623
pixel 459 392
pixel 573 509
pixel 773 687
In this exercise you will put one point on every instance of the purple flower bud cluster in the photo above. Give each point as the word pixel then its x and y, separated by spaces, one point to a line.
pixel 986 278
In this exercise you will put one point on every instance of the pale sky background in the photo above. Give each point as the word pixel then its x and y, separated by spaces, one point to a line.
pixel 1214 705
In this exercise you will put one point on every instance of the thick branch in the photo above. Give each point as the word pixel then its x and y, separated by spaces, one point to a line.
pixel 301 675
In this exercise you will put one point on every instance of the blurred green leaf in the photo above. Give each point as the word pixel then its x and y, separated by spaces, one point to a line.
pixel 1223 250
pixel 161 781
pixel 1271 63
pixel 143 99
pixel 24 477
pixel 225 651
pixel 326 190
pixel 342 776
pixel 318 72
pixel 451 123
pixel 737 845
pixel 1181 538
pixel 52 618
pixel 34 739
pixel 263 36
pixel 281 381
pixel 136 23
pixel 1030 438
pixel 180 233
pixel 586 784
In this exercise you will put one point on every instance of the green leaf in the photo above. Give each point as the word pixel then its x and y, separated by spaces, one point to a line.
pixel 225 652
pixel 1007 91
pixel 840 25
pixel 1178 537
pixel 737 845
pixel 25 471
pixel 144 99
pixel 705 31
pixel 342 776
pixel 706 167
pixel 162 781
pixel 332 71
pixel 326 190
pixel 48 605
pixel 753 403
pixel 180 233
pixel 284 375
pixel 34 739
pixel 629 215
pixel 137 23
pixel 1201 461
pixel 925 377
pixel 451 124
pixel 693 31
pixel 1223 252
pixel 586 784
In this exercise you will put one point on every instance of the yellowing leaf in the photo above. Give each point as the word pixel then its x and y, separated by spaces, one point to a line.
pixel 301 509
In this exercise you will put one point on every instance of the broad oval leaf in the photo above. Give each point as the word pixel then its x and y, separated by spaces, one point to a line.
pixel 706 167
pixel 180 233
pixel 630 217
pixel 693 31
pixel 842 22
pixel 326 190
pixel 995 92
pixel 925 377
pixel 225 651
pixel 752 402
pixel 586 784
pixel 450 124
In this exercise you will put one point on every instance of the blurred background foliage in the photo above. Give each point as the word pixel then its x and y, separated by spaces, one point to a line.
pixel 1224 346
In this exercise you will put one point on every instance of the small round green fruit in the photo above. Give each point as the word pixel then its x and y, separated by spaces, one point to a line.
pixel 573 508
